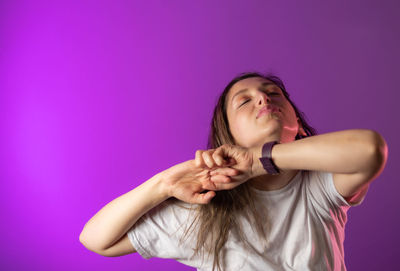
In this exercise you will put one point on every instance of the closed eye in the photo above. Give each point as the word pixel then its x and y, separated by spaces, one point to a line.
pixel 244 102
pixel 275 93
pixel 249 99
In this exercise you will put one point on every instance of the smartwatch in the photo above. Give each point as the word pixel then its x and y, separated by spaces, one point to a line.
pixel 266 160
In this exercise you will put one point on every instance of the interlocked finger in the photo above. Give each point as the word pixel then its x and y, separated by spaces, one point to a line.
pixel 219 160
pixel 209 185
pixel 227 171
pixel 220 179
pixel 208 159
pixel 199 160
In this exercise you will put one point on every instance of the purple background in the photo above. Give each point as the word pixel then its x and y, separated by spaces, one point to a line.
pixel 97 97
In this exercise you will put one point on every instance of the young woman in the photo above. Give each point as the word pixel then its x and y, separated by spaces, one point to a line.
pixel 228 209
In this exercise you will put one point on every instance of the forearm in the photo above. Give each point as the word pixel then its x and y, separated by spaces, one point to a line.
pixel 347 151
pixel 110 223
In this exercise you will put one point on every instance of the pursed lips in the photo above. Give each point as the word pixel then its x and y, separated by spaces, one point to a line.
pixel 267 109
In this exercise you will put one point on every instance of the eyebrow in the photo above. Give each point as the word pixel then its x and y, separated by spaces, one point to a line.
pixel 261 87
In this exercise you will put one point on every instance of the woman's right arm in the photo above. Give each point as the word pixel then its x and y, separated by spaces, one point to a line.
pixel 103 232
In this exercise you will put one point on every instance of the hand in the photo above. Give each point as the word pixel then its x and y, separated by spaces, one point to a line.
pixel 227 155
pixel 186 181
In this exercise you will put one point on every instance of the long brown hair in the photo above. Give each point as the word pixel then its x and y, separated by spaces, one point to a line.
pixel 219 217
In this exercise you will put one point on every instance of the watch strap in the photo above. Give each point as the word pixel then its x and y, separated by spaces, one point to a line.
pixel 266 159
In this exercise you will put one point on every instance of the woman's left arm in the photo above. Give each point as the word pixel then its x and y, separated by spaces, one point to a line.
pixel 355 157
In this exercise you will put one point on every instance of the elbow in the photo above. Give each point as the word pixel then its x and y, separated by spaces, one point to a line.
pixel 84 242
pixel 88 245
pixel 382 152
pixel 379 152
pixel 382 147
pixel 83 238
pixel 92 249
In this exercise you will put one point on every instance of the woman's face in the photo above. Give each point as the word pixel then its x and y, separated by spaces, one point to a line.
pixel 244 101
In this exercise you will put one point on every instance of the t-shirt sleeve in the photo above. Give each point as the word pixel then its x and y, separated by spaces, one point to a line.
pixel 158 233
pixel 325 194
pixel 359 200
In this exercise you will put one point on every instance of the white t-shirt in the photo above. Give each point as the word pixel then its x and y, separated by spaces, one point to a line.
pixel 306 220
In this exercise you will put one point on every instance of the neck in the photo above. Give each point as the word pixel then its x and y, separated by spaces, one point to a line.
pixel 269 182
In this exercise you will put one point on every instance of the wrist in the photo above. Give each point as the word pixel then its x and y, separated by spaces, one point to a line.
pixel 257 168
pixel 267 166
pixel 161 186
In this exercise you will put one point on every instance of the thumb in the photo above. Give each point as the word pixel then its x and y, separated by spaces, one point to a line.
pixel 204 198
pixel 229 153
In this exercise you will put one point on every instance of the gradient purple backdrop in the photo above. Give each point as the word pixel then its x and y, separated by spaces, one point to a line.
pixel 97 97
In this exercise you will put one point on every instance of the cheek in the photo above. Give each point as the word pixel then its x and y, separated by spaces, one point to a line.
pixel 290 114
pixel 240 125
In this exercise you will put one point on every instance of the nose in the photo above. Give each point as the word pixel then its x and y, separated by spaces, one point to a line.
pixel 264 99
